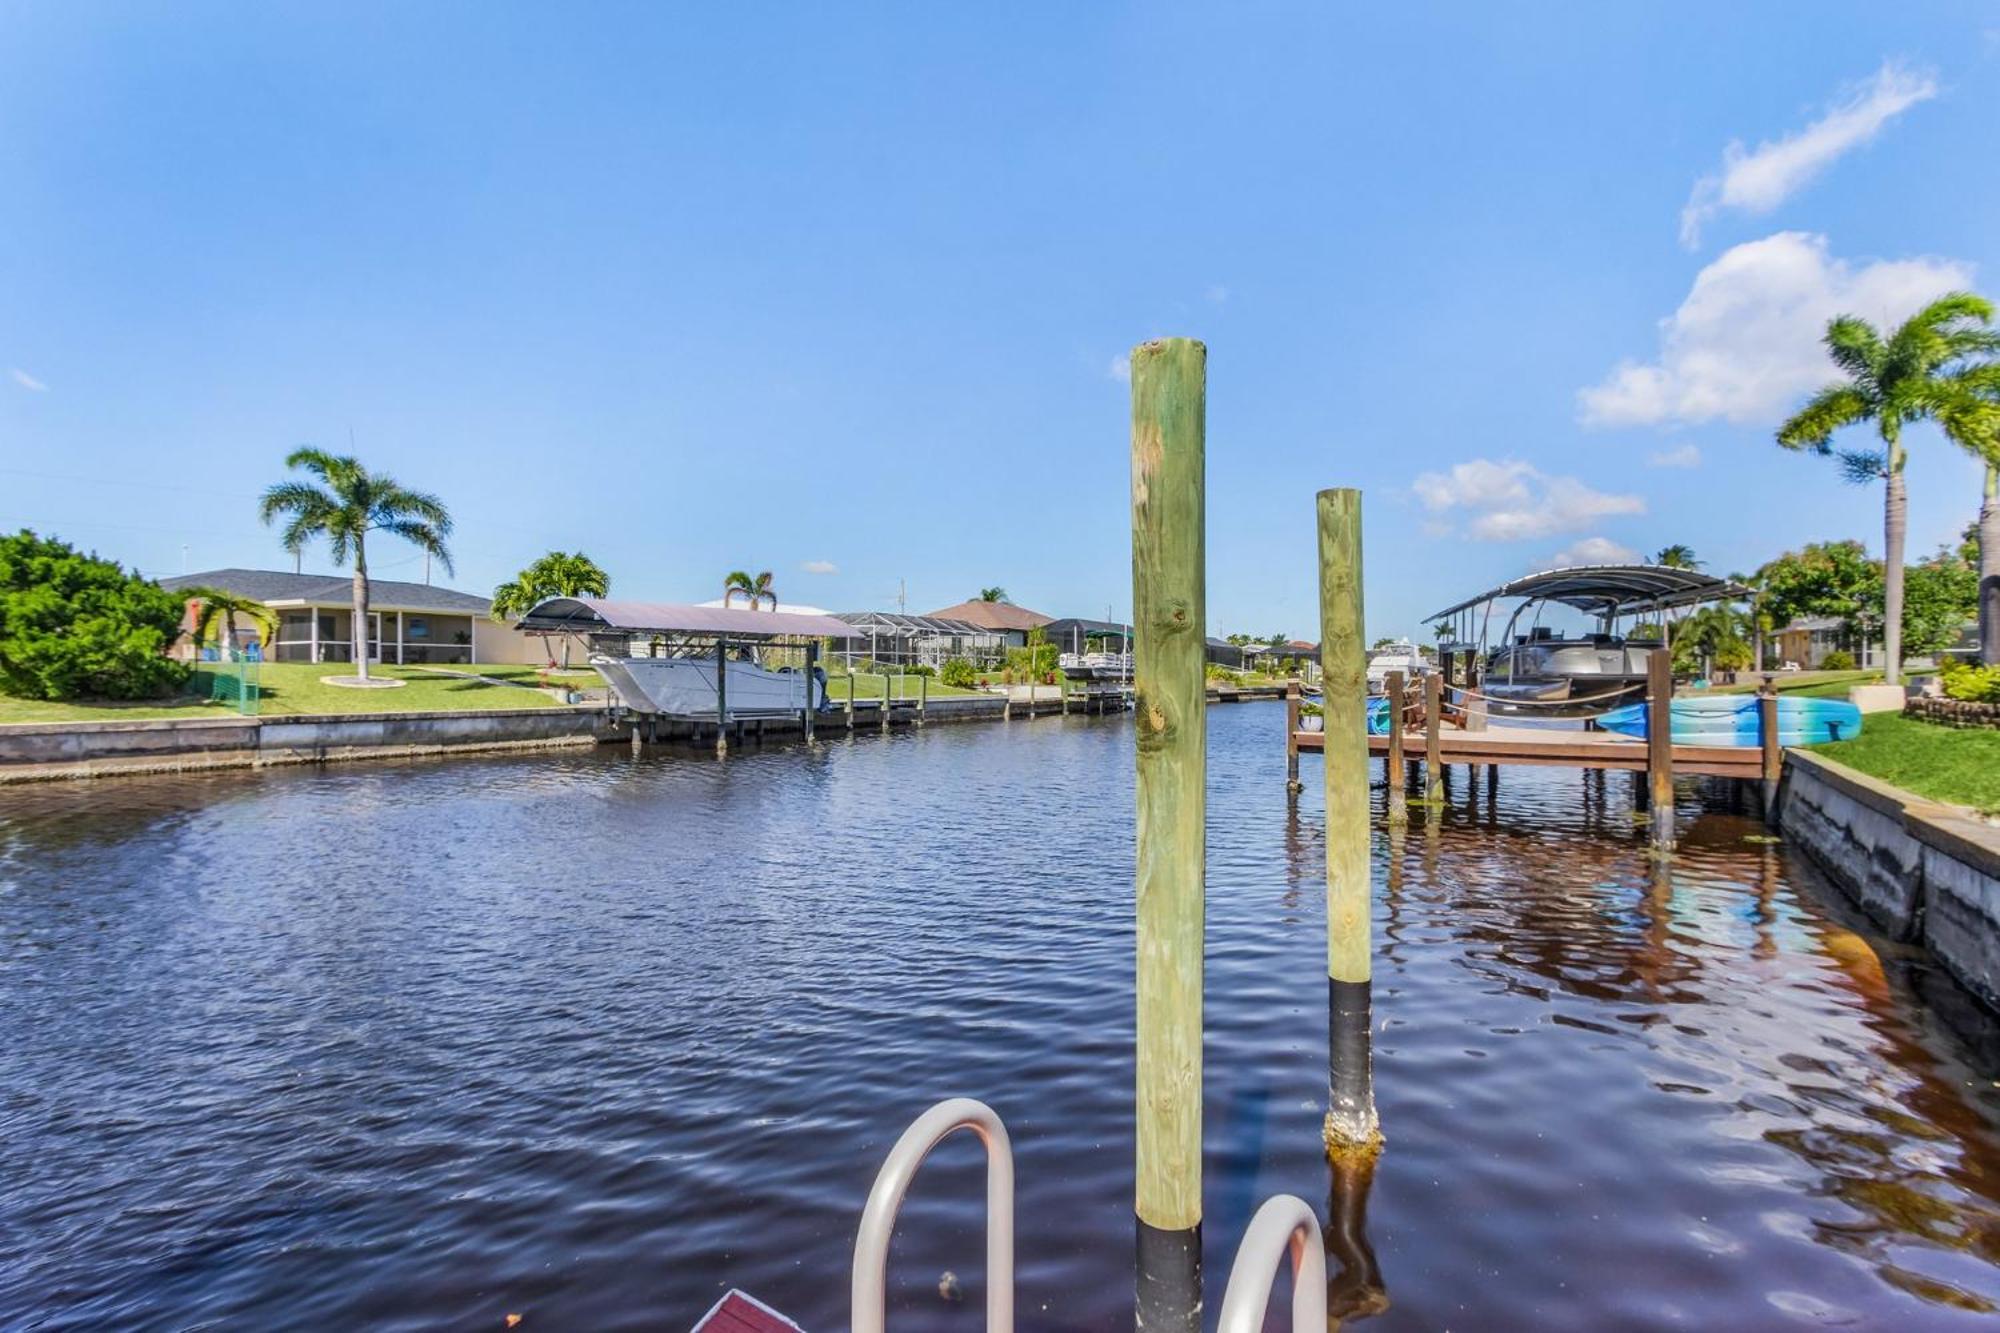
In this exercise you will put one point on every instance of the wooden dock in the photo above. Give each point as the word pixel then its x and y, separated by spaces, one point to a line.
pixel 1557 749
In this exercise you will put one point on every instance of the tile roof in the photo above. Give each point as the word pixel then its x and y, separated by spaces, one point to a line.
pixel 271 585
pixel 993 615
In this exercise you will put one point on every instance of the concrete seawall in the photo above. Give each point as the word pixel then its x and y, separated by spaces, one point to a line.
pixel 1925 873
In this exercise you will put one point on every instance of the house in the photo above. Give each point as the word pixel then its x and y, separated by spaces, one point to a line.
pixel 1809 639
pixel 904 640
pixel 1009 621
pixel 413 623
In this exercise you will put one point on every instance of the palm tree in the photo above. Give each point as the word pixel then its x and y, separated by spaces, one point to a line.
pixel 1677 556
pixel 557 574
pixel 1920 374
pixel 993 595
pixel 350 503
pixel 757 588
pixel 219 604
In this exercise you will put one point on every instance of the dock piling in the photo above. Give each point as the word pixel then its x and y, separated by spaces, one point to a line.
pixel 1433 752
pixel 1397 767
pixel 1351 1124
pixel 721 696
pixel 1169 408
pixel 1660 747
pixel 812 667
pixel 1773 752
pixel 1292 700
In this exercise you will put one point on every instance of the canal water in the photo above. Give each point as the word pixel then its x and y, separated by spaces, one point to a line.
pixel 589 1039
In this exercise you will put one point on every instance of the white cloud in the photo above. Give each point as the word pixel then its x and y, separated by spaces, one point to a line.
pixel 1121 367
pixel 27 381
pixel 1592 551
pixel 1510 500
pixel 820 567
pixel 1758 180
pixel 1745 344
pixel 1685 456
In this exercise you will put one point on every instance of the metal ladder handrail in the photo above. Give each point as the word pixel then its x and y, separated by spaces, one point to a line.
pixel 1284 1222
pixel 868 1303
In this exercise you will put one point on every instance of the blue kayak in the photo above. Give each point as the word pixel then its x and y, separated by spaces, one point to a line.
pixel 1731 719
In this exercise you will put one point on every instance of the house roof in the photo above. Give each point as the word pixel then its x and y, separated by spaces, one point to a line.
pixel 271 585
pixel 596 615
pixel 993 615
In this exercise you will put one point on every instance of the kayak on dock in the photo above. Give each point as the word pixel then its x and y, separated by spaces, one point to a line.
pixel 1731 719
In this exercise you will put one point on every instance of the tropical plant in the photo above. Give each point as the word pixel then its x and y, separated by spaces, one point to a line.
pixel 1832 579
pixel 1971 684
pixel 219 604
pixel 756 588
pixel 1939 595
pixel 1925 371
pixel 557 574
pixel 73 626
pixel 1677 556
pixel 1708 634
pixel 992 595
pixel 1837 660
pixel 347 504
pixel 959 673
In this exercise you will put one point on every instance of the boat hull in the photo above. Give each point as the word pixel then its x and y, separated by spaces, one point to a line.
pixel 685 687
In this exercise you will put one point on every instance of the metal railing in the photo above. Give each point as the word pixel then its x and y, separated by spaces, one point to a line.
pixel 1285 1222
pixel 868 1305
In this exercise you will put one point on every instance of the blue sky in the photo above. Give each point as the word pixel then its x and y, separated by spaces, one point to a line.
pixel 846 288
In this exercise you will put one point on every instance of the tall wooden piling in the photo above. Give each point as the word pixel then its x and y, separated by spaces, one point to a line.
pixel 1433 751
pixel 1660 746
pixel 1398 767
pixel 1169 612
pixel 812 668
pixel 1351 1126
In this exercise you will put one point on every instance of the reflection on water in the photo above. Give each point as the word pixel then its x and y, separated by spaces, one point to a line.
pixel 588 1038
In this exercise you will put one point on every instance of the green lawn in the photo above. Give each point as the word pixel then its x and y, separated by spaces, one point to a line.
pixel 295 687
pixel 1943 763
pixel 1817 684
pixel 866 686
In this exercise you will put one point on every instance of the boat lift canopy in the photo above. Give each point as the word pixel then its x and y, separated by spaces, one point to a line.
pixel 1610 590
pixel 596 615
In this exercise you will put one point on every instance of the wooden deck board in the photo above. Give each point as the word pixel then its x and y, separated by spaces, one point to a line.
pixel 1562 749
pixel 738 1313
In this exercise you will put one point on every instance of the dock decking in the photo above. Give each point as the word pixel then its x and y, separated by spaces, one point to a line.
pixel 1564 749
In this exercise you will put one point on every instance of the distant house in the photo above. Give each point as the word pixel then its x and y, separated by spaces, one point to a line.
pixel 1010 622
pixel 413 623
pixel 904 640
pixel 1809 639
pixel 1073 635
pixel 1223 653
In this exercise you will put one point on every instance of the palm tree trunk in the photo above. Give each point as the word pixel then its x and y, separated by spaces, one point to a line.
pixel 360 628
pixel 1895 523
pixel 1989 570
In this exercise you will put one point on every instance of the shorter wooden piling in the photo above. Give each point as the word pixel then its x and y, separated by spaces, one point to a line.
pixel 1660 747
pixel 1398 767
pixel 1292 700
pixel 722 696
pixel 1767 739
pixel 1433 723
pixel 812 666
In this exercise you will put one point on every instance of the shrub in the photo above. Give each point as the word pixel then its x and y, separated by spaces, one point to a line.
pixel 958 673
pixel 73 626
pixel 1971 684
pixel 1837 660
pixel 920 669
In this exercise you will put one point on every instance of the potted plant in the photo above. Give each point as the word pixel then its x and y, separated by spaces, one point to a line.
pixel 1312 717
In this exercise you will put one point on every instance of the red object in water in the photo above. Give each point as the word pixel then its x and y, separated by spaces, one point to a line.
pixel 738 1313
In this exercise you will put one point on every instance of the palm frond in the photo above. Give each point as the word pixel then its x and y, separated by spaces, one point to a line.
pixel 421 535
pixel 1855 347
pixel 1813 425
pixel 1863 467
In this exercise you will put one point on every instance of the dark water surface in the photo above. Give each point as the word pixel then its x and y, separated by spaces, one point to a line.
pixel 589 1039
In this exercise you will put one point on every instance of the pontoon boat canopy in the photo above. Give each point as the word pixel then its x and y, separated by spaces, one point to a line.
pixel 1611 589
pixel 594 615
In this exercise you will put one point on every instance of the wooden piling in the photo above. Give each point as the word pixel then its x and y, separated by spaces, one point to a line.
pixel 812 665
pixel 1397 767
pixel 1660 747
pixel 1773 752
pixel 1169 407
pixel 1433 754
pixel 1292 701
pixel 721 696
pixel 1351 1125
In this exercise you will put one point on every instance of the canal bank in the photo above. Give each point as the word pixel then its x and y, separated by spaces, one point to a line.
pixel 58 751
pixel 1927 874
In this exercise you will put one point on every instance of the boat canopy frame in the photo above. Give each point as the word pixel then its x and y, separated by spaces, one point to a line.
pixel 589 617
pixel 1607 592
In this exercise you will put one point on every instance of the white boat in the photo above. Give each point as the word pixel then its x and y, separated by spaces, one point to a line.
pixel 1401 655
pixel 663 659
pixel 685 686
pixel 1096 666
